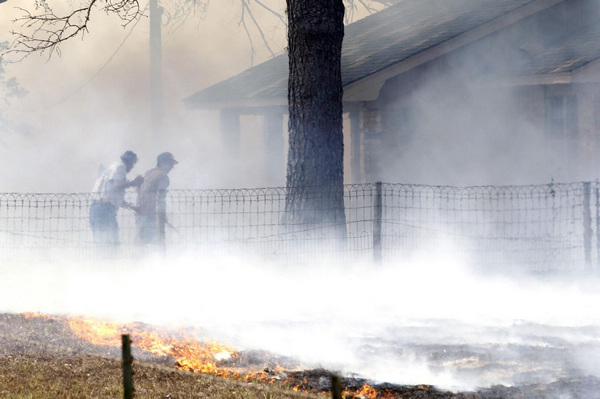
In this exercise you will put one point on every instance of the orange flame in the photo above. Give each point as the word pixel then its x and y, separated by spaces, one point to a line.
pixel 367 391
pixel 189 354
pixel 32 315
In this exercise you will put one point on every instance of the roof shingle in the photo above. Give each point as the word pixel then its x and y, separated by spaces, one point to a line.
pixel 395 34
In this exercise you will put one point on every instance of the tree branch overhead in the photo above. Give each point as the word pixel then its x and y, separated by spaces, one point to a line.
pixel 49 30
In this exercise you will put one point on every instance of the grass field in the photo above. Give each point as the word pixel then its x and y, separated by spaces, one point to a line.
pixel 55 375
pixel 41 358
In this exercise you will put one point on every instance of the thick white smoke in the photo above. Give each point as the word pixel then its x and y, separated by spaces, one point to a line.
pixel 429 319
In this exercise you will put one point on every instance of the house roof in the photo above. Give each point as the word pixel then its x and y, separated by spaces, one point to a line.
pixel 400 37
pixel 565 53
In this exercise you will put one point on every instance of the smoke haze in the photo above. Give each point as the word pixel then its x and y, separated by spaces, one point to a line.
pixel 90 103
pixel 411 322
pixel 393 323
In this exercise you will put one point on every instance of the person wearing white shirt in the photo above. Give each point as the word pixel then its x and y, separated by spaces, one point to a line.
pixel 109 196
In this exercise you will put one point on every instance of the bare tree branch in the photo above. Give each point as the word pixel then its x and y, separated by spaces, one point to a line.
pixel 180 11
pixel 243 23
pixel 46 31
pixel 247 8
pixel 352 7
pixel 275 13
pixel 49 30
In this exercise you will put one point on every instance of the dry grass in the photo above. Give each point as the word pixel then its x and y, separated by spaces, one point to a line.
pixel 40 358
pixel 55 375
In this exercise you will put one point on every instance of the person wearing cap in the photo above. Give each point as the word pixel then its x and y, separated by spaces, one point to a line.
pixel 108 195
pixel 151 215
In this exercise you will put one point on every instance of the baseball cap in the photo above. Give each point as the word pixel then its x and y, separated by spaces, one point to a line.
pixel 166 157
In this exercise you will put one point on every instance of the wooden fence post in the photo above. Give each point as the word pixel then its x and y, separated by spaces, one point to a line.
pixel 377 216
pixel 336 387
pixel 127 367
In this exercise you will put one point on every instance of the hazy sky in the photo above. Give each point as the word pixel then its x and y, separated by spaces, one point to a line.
pixel 84 112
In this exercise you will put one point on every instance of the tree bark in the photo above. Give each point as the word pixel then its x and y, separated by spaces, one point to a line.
pixel 315 171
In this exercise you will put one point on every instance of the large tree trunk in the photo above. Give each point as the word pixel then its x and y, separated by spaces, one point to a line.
pixel 315 172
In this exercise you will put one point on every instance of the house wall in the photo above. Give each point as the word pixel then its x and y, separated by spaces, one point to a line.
pixel 487 135
pixel 589 131
pixel 462 119
pixel 370 125
pixel 401 139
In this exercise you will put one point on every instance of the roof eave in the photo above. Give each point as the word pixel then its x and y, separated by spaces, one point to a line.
pixel 241 104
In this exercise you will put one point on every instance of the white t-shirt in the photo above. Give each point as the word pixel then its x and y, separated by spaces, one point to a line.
pixel 105 190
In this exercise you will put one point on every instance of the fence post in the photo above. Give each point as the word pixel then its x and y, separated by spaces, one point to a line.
pixel 597 206
pixel 336 387
pixel 587 224
pixel 377 216
pixel 127 372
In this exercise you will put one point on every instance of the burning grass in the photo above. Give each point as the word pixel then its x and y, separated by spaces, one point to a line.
pixel 56 357
pixel 42 357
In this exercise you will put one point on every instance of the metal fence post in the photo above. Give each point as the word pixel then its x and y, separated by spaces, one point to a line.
pixel 597 206
pixel 377 220
pixel 587 224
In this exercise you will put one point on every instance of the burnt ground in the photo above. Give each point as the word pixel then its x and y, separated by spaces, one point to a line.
pixel 42 339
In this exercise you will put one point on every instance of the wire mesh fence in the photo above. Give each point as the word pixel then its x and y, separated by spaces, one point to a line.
pixel 543 226
pixel 552 226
